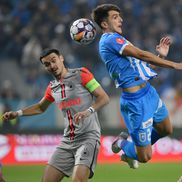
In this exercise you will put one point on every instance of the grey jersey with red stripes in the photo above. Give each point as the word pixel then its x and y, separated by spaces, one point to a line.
pixel 71 96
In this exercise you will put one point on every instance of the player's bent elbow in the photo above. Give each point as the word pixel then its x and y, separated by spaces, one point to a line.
pixel 169 131
pixel 107 99
pixel 104 98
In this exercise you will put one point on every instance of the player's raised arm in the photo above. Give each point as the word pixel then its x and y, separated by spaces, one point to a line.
pixel 150 58
pixel 37 108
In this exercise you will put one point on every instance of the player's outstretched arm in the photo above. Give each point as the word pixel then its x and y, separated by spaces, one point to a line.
pixel 150 58
pixel 38 108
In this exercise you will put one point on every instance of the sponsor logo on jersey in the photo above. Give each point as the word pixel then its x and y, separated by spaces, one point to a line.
pixel 147 123
pixel 70 103
pixel 120 40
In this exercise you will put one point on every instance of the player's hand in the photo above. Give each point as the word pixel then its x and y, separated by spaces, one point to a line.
pixel 163 47
pixel 80 116
pixel 9 115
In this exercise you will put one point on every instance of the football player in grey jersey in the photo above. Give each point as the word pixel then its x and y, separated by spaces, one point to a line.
pixel 78 95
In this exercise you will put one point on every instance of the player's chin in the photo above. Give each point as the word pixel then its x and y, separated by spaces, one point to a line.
pixel 57 75
pixel 119 31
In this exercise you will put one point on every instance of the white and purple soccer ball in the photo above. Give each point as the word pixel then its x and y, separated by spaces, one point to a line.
pixel 83 31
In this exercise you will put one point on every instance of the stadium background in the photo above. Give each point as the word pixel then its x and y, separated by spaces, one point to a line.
pixel 28 26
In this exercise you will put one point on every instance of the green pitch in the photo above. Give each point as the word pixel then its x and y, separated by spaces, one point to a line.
pixel 150 172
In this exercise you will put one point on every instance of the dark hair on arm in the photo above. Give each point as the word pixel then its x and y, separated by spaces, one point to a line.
pixel 48 51
pixel 100 13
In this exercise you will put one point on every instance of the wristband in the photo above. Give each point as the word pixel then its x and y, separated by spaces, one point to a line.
pixel 19 112
pixel 91 109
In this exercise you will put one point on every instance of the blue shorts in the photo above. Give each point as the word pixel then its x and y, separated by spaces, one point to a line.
pixel 141 110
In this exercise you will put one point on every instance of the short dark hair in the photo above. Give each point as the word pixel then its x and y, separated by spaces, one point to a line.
pixel 100 13
pixel 48 51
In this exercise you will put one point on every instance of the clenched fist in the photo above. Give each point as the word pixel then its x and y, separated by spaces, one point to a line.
pixel 9 115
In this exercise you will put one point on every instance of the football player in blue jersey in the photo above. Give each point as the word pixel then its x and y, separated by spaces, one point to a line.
pixel 145 115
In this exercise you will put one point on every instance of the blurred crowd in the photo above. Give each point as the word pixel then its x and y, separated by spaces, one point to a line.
pixel 28 26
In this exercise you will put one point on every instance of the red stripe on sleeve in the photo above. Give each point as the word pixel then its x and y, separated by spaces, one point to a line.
pixel 86 76
pixel 48 94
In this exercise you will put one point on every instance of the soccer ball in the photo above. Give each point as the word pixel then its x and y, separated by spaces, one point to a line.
pixel 83 31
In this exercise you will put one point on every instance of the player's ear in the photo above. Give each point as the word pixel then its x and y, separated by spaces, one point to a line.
pixel 104 24
pixel 61 58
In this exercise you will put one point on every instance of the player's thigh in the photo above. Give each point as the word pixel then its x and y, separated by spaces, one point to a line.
pixel 80 173
pixel 144 153
pixel 161 120
pixel 164 127
pixel 86 155
pixel 52 174
pixel 63 159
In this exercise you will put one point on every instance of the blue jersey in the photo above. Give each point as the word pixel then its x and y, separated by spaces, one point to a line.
pixel 124 70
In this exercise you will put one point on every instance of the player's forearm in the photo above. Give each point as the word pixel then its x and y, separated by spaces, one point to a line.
pixel 100 101
pixel 38 108
pixel 154 66
pixel 32 110
pixel 155 60
pixel 148 57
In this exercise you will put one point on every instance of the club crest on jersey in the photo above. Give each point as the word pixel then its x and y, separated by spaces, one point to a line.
pixel 120 40
pixel 142 137
pixel 57 87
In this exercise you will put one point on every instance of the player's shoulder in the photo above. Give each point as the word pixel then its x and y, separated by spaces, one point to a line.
pixel 72 73
pixel 85 76
pixel 111 36
pixel 78 70
pixel 84 72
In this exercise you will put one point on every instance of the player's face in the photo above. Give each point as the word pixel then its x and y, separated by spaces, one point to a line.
pixel 54 64
pixel 114 22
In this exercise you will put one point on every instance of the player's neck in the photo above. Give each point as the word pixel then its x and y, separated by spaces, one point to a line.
pixel 107 31
pixel 110 31
pixel 63 74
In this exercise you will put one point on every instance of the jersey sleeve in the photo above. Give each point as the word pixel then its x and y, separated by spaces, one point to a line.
pixel 48 94
pixel 117 43
pixel 88 80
